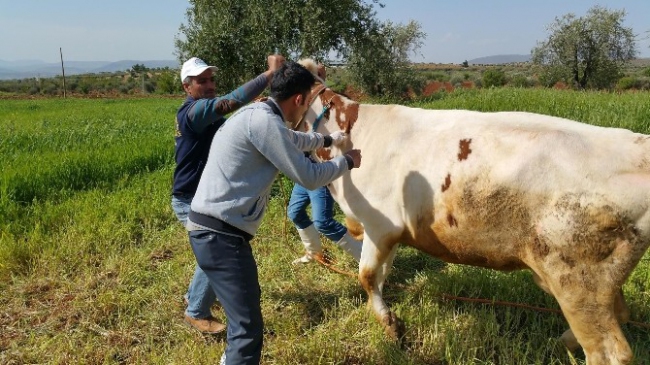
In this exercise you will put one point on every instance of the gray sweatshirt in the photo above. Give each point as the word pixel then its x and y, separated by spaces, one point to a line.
pixel 245 156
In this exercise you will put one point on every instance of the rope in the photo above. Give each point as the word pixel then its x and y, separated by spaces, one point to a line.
pixel 520 305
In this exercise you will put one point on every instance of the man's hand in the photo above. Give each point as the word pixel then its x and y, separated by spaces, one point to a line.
pixel 356 157
pixel 321 71
pixel 338 138
pixel 274 61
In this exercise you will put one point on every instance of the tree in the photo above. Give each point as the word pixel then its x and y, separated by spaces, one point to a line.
pixel 379 61
pixel 168 82
pixel 138 69
pixel 589 51
pixel 237 35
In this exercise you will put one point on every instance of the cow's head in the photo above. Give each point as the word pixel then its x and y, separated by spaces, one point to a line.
pixel 328 112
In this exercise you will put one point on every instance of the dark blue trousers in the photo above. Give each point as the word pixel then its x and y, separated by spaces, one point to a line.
pixel 227 260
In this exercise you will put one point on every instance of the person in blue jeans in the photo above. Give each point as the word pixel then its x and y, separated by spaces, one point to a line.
pixel 322 210
pixel 197 121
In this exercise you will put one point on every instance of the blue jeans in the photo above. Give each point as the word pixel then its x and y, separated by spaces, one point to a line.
pixel 322 210
pixel 200 295
pixel 227 260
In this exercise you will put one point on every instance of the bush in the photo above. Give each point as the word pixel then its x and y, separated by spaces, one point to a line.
pixel 627 83
pixel 494 78
pixel 646 72
pixel 436 76
pixel 519 80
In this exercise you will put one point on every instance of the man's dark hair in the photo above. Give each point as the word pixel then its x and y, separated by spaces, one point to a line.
pixel 290 79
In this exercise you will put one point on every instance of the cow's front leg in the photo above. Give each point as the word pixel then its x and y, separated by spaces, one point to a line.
pixel 376 260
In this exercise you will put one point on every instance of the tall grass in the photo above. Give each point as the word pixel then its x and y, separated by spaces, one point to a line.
pixel 93 264
pixel 628 110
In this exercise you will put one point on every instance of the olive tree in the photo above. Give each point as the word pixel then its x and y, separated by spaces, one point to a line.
pixel 587 51
pixel 237 35
pixel 379 61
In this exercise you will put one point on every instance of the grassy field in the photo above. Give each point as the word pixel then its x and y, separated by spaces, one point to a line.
pixel 93 263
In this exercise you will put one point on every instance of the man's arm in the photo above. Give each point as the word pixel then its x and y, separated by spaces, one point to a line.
pixel 312 140
pixel 274 141
pixel 307 141
pixel 206 111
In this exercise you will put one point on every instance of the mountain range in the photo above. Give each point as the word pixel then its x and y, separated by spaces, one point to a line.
pixel 34 68
pixel 500 59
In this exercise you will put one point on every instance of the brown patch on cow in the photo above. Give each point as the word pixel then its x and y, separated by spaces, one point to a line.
pixel 452 220
pixel 540 248
pixel 447 183
pixel 644 164
pixel 584 279
pixel 565 280
pixel 367 279
pixel 490 217
pixel 597 230
pixel 641 139
pixel 325 154
pixel 567 260
pixel 464 149
pixel 346 111
pixel 354 228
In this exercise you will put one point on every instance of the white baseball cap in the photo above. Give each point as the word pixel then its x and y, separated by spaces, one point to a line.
pixel 194 67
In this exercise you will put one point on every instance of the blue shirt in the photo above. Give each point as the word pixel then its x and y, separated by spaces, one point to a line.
pixel 196 123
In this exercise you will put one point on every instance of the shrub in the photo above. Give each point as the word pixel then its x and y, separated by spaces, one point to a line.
pixel 519 80
pixel 457 79
pixel 646 72
pixel 627 82
pixel 494 78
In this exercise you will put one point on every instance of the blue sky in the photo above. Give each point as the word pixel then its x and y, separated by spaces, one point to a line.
pixel 92 30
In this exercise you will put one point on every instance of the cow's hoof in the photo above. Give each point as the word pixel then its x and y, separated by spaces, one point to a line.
pixel 570 341
pixel 394 326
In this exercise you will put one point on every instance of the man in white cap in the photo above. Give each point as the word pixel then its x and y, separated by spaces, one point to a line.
pixel 197 120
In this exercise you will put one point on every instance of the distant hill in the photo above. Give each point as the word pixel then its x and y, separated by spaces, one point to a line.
pixel 33 68
pixel 500 59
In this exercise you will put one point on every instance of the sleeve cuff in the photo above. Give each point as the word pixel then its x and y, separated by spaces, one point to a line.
pixel 350 161
pixel 327 141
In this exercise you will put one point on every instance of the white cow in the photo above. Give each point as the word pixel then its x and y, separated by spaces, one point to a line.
pixel 507 191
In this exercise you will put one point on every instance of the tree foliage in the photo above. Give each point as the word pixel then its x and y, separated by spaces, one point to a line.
pixel 494 78
pixel 379 61
pixel 237 35
pixel 587 51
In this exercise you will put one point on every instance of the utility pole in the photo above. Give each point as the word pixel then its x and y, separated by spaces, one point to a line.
pixel 62 70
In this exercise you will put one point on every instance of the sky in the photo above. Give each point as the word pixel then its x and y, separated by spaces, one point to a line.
pixel 92 30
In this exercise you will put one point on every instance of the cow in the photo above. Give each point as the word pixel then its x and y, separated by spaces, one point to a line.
pixel 502 190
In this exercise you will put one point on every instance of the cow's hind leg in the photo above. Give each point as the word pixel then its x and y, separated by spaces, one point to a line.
pixel 622 315
pixel 375 264
pixel 568 339
pixel 593 313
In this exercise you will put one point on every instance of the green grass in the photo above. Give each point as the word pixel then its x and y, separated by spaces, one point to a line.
pixel 627 110
pixel 93 263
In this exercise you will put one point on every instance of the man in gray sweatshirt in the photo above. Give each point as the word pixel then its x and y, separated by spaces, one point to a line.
pixel 245 157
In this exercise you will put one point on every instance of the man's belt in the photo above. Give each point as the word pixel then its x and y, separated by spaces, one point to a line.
pixel 217 224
